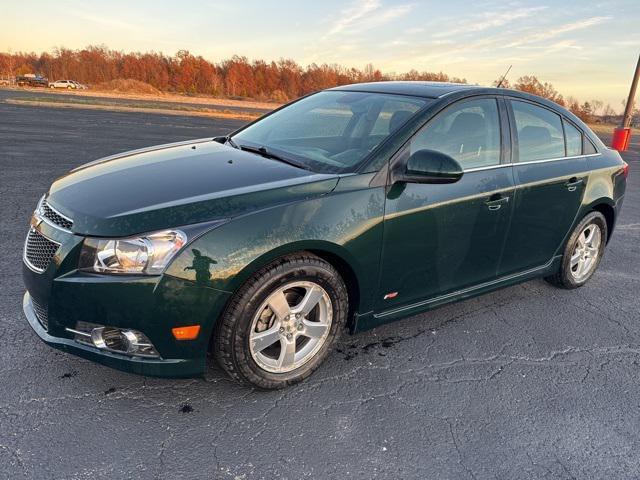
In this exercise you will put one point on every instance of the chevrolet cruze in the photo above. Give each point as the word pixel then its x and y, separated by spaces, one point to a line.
pixel 343 210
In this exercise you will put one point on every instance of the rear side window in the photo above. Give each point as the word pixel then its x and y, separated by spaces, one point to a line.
pixel 573 137
pixel 540 135
pixel 588 148
pixel 468 131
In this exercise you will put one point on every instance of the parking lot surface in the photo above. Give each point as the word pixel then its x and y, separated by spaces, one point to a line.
pixel 527 382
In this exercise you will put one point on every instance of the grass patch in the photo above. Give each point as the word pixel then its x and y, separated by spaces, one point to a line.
pixel 133 105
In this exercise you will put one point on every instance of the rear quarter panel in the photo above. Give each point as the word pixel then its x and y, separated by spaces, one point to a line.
pixel 606 183
pixel 605 179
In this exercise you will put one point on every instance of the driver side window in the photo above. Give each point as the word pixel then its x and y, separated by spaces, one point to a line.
pixel 469 132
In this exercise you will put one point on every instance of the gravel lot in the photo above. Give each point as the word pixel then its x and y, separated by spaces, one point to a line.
pixel 527 382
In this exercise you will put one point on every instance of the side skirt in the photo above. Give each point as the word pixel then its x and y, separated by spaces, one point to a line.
pixel 371 320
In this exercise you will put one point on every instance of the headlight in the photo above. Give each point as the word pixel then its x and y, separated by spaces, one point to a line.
pixel 149 254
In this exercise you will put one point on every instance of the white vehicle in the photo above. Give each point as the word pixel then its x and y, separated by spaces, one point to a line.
pixel 80 86
pixel 68 84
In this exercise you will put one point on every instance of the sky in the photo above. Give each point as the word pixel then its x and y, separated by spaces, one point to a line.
pixel 587 49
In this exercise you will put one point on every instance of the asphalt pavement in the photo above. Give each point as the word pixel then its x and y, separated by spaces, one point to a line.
pixel 527 382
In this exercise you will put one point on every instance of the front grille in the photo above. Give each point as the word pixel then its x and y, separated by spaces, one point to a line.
pixel 41 314
pixel 39 250
pixel 54 217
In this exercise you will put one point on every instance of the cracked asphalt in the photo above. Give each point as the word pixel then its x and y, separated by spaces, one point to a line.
pixel 527 382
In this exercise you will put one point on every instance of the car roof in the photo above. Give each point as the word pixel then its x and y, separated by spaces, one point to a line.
pixel 415 89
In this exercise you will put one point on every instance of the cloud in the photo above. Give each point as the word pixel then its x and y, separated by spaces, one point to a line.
pixel 554 47
pixel 105 21
pixel 556 31
pixel 489 20
pixel 365 15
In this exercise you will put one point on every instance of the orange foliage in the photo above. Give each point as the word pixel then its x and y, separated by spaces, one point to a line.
pixel 279 81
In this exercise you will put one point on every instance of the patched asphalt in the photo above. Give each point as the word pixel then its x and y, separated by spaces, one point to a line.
pixel 527 382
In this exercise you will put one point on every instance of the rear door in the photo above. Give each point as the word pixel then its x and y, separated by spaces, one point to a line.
pixel 551 174
pixel 442 238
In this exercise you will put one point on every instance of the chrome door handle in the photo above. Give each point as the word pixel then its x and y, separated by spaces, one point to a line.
pixel 494 203
pixel 573 184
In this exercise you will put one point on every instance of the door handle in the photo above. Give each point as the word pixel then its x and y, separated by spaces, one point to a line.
pixel 496 201
pixel 573 184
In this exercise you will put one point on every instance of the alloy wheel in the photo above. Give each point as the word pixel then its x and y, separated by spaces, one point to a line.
pixel 290 326
pixel 586 250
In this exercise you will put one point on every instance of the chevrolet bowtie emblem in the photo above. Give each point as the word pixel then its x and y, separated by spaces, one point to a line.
pixel 36 221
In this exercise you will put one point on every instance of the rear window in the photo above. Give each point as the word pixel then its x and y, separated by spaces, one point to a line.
pixel 540 134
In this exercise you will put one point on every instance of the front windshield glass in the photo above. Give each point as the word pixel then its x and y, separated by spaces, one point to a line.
pixel 331 131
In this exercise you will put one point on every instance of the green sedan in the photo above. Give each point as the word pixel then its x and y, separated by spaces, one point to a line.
pixel 343 210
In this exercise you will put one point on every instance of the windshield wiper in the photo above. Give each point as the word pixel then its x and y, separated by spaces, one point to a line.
pixel 230 141
pixel 267 154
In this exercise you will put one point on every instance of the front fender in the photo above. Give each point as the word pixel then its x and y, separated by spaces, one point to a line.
pixel 347 224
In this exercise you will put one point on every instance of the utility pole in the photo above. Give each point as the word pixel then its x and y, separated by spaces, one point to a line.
pixel 622 135
pixel 628 111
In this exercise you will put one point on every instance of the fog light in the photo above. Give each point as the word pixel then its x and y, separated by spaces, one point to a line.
pixel 112 339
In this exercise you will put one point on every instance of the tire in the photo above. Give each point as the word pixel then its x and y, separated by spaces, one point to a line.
pixel 575 273
pixel 260 341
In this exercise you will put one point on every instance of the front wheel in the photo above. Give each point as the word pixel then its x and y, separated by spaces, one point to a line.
pixel 583 252
pixel 282 323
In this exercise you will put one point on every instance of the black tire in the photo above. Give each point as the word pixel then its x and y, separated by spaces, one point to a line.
pixel 564 277
pixel 231 337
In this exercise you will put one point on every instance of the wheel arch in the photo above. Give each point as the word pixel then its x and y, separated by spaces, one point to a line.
pixel 334 254
pixel 605 206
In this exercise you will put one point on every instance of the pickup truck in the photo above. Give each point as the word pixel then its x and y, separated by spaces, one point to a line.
pixel 25 81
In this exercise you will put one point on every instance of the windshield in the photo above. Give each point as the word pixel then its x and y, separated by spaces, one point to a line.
pixel 331 131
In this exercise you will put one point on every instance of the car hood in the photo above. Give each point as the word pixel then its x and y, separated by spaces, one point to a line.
pixel 177 184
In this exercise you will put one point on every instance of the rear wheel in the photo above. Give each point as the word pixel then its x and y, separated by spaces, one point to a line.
pixel 582 253
pixel 280 326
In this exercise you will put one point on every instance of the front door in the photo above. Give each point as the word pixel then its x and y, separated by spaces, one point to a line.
pixel 443 238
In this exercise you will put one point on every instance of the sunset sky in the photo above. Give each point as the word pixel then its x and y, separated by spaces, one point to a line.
pixel 586 49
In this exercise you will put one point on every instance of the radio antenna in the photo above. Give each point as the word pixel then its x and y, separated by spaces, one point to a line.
pixel 504 76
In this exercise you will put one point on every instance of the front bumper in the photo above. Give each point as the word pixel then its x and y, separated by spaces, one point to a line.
pixel 150 305
pixel 184 367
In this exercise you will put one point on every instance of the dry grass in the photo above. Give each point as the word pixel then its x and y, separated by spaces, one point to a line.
pixel 148 107
pixel 607 129
pixel 127 85
pixel 206 100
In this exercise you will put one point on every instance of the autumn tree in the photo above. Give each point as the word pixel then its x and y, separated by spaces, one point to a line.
pixel 531 84
pixel 237 76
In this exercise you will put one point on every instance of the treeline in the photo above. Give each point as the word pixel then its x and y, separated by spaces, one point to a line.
pixel 585 110
pixel 279 81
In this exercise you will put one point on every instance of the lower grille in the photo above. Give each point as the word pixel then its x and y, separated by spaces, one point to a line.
pixel 39 250
pixel 41 314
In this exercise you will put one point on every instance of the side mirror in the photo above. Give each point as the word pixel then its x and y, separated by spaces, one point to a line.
pixel 429 166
